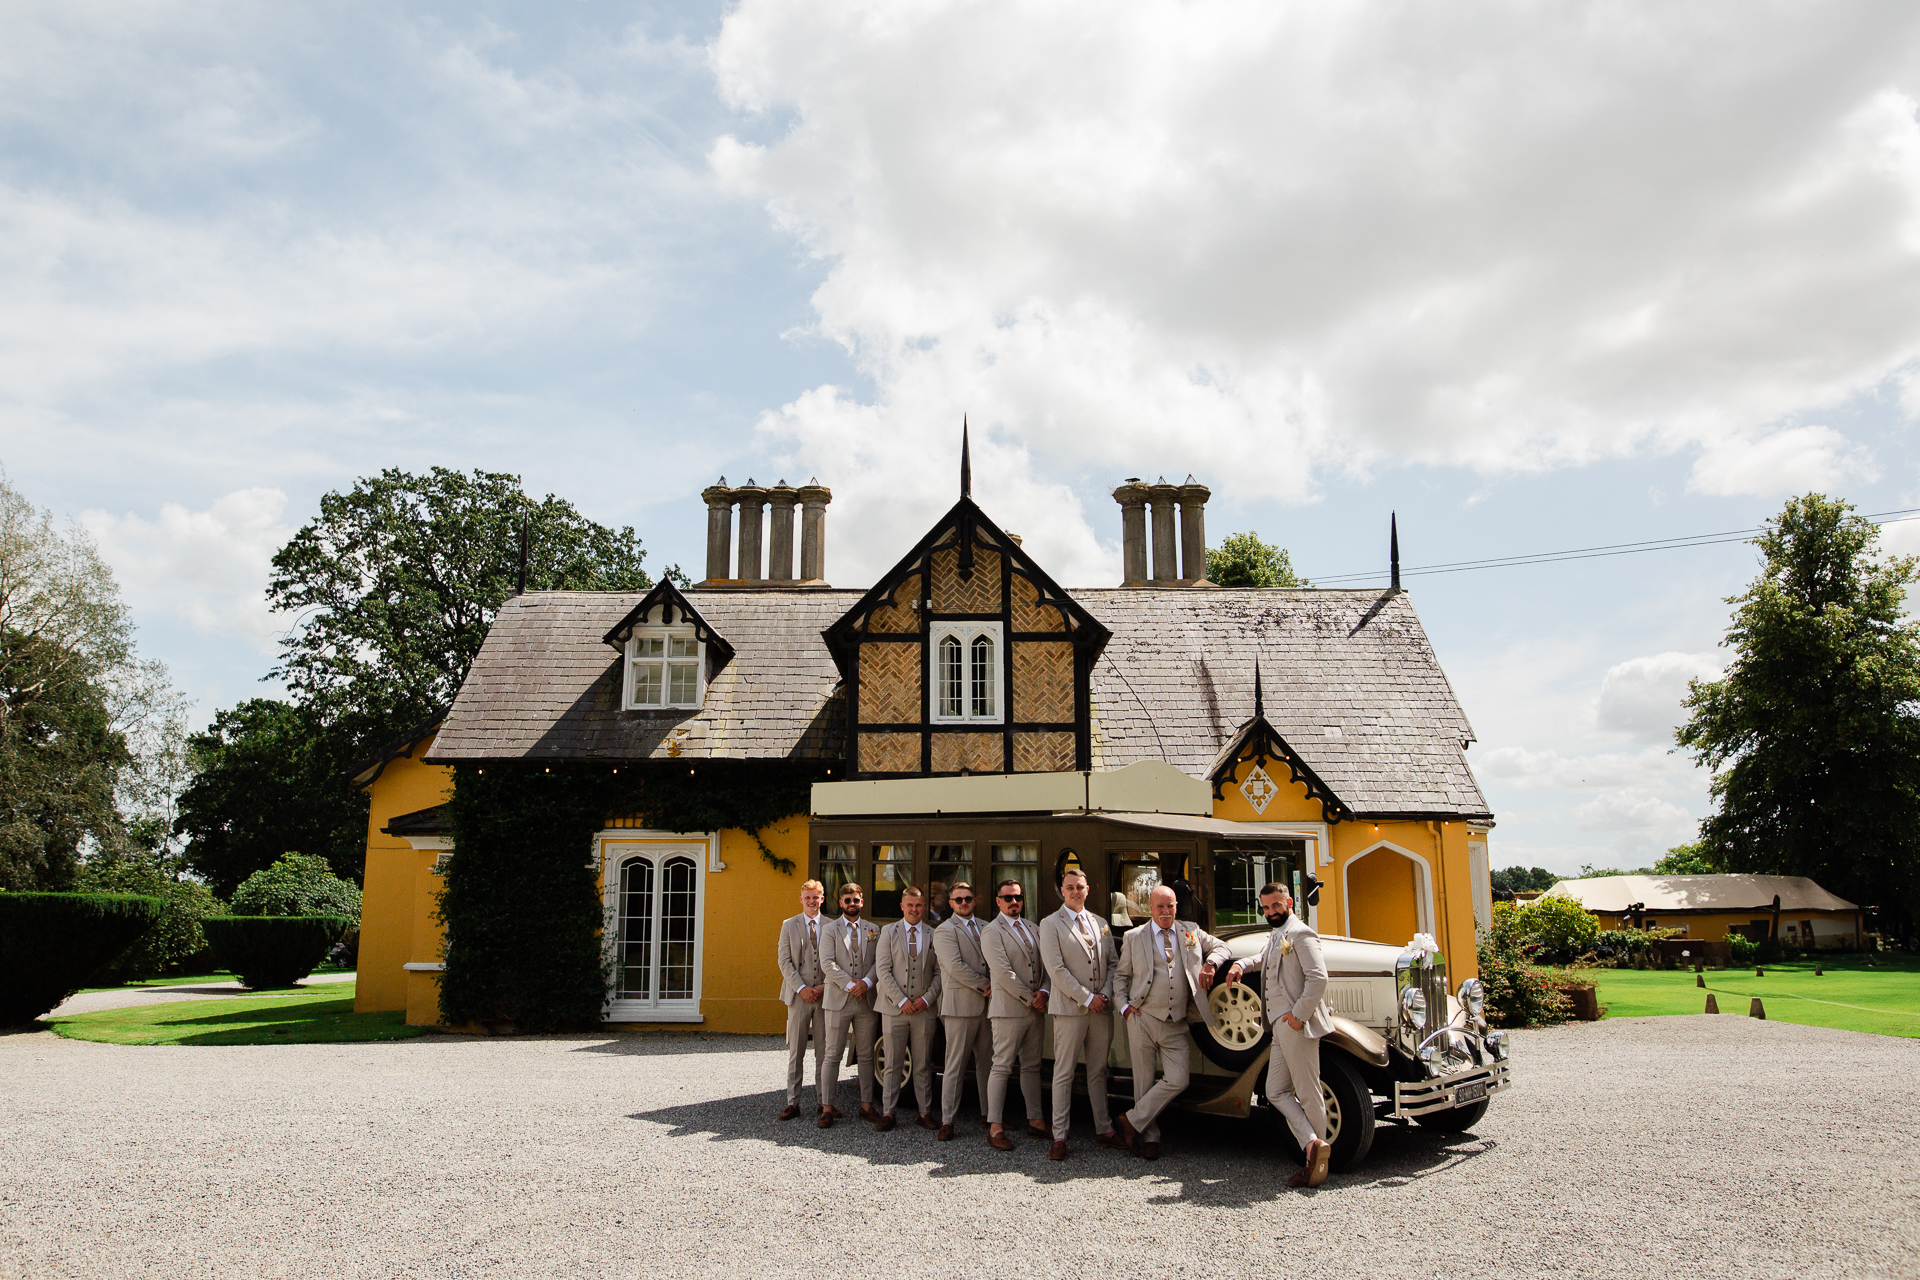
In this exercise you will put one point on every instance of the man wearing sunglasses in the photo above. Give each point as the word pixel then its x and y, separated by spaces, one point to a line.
pixel 965 986
pixel 1017 1011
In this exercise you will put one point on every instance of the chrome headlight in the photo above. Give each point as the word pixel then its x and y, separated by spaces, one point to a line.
pixel 1473 996
pixel 1413 1003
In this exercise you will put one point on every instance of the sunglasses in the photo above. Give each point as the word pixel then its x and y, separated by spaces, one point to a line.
pixel 1010 897
pixel 961 897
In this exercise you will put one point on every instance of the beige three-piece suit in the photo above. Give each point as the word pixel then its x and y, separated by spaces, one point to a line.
pixel 1077 949
pixel 1159 975
pixel 907 969
pixel 964 987
pixel 799 959
pixel 1013 960
pixel 848 951
pixel 1293 973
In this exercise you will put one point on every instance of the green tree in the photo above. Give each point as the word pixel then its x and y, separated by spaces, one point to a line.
pixel 1812 733
pixel 393 587
pixel 1685 860
pixel 1242 560
pixel 60 758
pixel 297 885
pixel 176 938
pixel 269 778
pixel 1524 879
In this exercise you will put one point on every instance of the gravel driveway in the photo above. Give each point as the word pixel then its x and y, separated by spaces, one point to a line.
pixel 1650 1146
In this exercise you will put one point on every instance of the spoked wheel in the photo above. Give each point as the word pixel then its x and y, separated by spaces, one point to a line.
pixel 1239 1032
pixel 880 1058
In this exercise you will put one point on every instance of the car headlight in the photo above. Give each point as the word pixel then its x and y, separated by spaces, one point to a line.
pixel 1414 1002
pixel 1474 996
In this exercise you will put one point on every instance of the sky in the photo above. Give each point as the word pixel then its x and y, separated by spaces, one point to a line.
pixel 1530 277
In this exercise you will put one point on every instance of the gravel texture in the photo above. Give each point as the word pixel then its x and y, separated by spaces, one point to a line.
pixel 1658 1146
pixel 127 997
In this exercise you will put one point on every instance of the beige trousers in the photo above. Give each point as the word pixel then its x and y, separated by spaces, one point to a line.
pixel 864 1025
pixel 1293 1083
pixel 967 1037
pixel 908 1036
pixel 806 1020
pixel 1094 1033
pixel 1149 1039
pixel 1015 1038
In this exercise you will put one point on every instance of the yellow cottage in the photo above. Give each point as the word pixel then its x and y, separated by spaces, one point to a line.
pixel 967 718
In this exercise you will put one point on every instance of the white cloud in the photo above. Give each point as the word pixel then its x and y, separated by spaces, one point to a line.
pixel 1641 696
pixel 209 567
pixel 1264 240
pixel 1527 769
pixel 1634 809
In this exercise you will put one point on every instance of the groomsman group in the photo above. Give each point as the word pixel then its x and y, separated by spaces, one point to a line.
pixel 990 985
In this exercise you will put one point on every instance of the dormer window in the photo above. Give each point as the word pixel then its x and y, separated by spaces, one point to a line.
pixel 664 669
pixel 966 673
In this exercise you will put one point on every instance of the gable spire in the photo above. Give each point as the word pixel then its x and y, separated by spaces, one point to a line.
pixel 1259 702
pixel 966 461
pixel 1393 548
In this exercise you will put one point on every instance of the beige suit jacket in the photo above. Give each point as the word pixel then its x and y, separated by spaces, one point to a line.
pixel 846 964
pixel 1294 982
pixel 797 958
pixel 1139 962
pixel 964 979
pixel 1017 972
pixel 1075 976
pixel 901 976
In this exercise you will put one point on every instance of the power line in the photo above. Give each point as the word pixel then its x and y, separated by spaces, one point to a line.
pixel 1594 553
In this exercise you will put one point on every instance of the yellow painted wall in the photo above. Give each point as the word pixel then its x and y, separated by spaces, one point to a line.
pixel 1442 844
pixel 397 894
pixel 1381 887
pixel 1712 927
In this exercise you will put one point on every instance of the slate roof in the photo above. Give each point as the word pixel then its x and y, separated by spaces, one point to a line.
pixel 546 687
pixel 1176 681
pixel 1173 684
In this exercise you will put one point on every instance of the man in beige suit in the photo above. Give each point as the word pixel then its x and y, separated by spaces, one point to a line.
pixel 801 989
pixel 1294 989
pixel 848 948
pixel 909 977
pixel 1166 968
pixel 1077 948
pixel 1019 1003
pixel 965 986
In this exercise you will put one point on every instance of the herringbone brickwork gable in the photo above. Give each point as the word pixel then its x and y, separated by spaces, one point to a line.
pixel 1028 613
pixel 980 752
pixel 890 753
pixel 889 684
pixel 1043 682
pixel 978 594
pixel 900 617
pixel 1042 752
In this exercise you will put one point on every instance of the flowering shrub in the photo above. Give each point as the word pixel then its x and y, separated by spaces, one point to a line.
pixel 1560 928
pixel 1519 992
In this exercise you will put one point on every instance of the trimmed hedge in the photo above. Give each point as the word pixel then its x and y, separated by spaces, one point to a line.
pixel 52 944
pixel 273 951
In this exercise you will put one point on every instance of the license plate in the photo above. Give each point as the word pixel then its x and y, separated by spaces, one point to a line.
pixel 1470 1092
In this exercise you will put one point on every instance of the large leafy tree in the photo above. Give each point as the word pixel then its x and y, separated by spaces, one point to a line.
pixel 1243 560
pixel 1812 732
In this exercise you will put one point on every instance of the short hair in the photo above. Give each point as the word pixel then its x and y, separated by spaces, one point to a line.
pixel 1073 871
pixel 1274 886
pixel 814 885
pixel 850 885
pixel 912 891
pixel 1018 884
pixel 958 885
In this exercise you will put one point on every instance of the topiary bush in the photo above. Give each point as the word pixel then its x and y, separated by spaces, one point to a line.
pixel 273 951
pixel 297 885
pixel 52 944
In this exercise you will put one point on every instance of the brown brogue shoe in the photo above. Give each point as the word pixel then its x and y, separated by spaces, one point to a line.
pixel 883 1124
pixel 826 1118
pixel 870 1112
pixel 1059 1149
pixel 926 1121
pixel 788 1112
pixel 1149 1151
pixel 1000 1142
pixel 945 1134
pixel 1129 1135
pixel 1109 1139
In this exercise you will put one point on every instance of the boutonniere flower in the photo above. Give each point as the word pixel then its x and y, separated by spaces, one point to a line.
pixel 1286 946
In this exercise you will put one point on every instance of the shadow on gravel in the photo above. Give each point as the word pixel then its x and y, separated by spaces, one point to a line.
pixel 1204 1160
pixel 641 1044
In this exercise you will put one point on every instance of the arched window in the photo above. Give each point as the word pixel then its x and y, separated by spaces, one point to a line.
pixel 952 688
pixel 980 679
pixel 966 672
pixel 656 905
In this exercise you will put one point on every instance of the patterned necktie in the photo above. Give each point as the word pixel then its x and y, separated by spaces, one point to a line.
pixel 1025 941
pixel 813 934
pixel 1166 948
pixel 1086 935
pixel 913 942
pixel 973 928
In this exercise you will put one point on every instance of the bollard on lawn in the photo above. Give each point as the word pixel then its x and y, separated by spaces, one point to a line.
pixel 1713 1006
pixel 1758 972
pixel 1757 1010
pixel 1819 972
pixel 1699 981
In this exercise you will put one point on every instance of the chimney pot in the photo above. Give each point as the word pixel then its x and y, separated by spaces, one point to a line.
pixel 1132 497
pixel 1161 498
pixel 780 540
pixel 719 500
pixel 1193 530
pixel 813 497
pixel 753 505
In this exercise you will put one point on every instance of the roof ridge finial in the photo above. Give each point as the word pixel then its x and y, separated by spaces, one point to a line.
pixel 966 461
pixel 1259 700
pixel 1393 548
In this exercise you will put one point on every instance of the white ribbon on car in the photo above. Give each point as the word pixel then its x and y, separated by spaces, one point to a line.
pixel 1423 944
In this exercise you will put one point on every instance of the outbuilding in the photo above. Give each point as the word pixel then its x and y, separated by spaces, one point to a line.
pixel 1707 908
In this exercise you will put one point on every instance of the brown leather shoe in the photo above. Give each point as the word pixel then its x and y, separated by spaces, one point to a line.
pixel 788 1112
pixel 833 1111
pixel 1059 1149
pixel 1319 1155
pixel 945 1134
pixel 883 1124
pixel 1129 1136
pixel 1298 1179
pixel 1149 1151
pixel 1109 1139
pixel 1037 1130
pixel 1000 1142
pixel 869 1112
pixel 826 1118
pixel 926 1121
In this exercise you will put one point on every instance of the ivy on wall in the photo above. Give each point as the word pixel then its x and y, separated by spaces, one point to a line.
pixel 521 903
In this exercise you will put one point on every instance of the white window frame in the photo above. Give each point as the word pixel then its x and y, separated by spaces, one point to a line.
pixel 966 633
pixel 668 634
pixel 614 849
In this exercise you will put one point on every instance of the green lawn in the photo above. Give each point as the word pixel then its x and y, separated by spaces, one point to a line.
pixel 1884 1000
pixel 303 1015
pixel 189 980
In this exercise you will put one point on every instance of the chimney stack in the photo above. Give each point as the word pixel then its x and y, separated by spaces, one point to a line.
pixel 1176 561
pixel 1166 564
pixel 719 500
pixel 753 506
pixel 1193 530
pixel 814 498
pixel 780 542
pixel 1132 497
